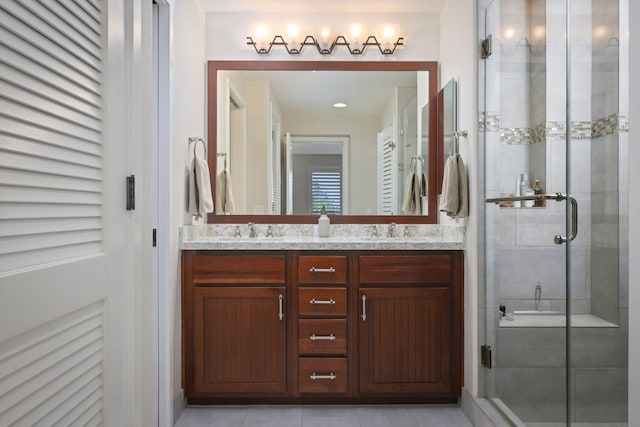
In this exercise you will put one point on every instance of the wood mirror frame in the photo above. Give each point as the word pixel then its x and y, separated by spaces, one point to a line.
pixel 434 151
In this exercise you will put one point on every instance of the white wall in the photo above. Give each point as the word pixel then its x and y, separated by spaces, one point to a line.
pixel 187 118
pixel 458 55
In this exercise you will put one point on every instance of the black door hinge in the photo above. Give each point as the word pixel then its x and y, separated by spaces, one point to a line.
pixel 131 192
pixel 485 47
pixel 485 356
pixel 155 237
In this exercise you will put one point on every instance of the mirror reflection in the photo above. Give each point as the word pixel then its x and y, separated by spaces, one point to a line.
pixel 346 140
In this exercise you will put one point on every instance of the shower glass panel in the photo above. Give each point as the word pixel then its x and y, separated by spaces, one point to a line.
pixel 555 307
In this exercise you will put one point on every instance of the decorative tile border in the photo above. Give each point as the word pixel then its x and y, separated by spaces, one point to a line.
pixel 516 136
pixel 488 122
pixel 553 130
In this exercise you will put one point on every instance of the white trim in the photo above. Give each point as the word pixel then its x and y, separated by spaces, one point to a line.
pixel 163 320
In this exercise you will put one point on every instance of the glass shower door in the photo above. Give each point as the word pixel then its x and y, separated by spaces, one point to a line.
pixel 554 301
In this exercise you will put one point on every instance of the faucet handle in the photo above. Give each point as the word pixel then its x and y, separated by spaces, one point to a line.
pixel 374 231
pixel 237 233
pixel 406 232
pixel 252 230
pixel 391 231
pixel 269 231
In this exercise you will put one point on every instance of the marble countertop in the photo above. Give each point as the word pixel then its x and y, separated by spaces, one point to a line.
pixel 305 237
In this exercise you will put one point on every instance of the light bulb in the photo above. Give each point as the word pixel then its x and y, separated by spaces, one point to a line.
pixel 293 32
pixel 388 35
pixel 356 33
pixel 262 36
pixel 325 33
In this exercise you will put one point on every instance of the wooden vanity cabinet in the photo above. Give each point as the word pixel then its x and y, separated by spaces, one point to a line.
pixel 410 324
pixel 234 324
pixel 322 327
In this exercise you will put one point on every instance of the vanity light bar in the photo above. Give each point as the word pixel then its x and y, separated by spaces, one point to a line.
pixel 311 41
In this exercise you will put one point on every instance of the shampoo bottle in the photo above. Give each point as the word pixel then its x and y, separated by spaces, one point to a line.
pixel 323 224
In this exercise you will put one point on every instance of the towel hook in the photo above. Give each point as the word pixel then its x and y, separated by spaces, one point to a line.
pixel 194 140
pixel 223 154
pixel 455 146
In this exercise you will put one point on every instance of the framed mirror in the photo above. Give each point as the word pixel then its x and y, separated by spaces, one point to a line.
pixel 274 129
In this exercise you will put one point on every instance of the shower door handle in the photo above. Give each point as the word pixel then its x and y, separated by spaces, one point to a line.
pixel 558 197
pixel 558 239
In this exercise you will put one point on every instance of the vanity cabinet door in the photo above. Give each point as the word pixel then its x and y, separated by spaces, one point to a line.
pixel 405 336
pixel 239 340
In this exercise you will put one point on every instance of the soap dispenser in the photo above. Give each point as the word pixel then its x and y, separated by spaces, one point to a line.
pixel 323 224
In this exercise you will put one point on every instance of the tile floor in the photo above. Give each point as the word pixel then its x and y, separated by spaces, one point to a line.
pixel 324 416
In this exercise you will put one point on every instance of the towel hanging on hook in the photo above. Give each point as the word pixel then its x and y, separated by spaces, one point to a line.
pixel 200 197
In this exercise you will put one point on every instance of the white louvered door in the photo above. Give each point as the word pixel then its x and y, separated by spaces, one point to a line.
pixel 62 221
pixel 387 173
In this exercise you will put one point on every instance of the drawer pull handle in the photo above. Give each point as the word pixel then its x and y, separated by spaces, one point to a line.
pixel 280 307
pixel 315 377
pixel 322 270
pixel 319 301
pixel 364 307
pixel 315 337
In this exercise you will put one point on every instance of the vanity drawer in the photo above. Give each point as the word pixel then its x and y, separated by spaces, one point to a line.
pixel 238 269
pixel 322 336
pixel 322 270
pixel 404 269
pixel 322 375
pixel 322 301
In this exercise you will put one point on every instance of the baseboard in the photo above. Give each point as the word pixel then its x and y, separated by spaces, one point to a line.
pixel 481 412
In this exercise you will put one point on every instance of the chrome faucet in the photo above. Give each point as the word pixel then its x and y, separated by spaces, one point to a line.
pixel 269 231
pixel 406 233
pixel 237 233
pixel 374 231
pixel 391 231
pixel 252 230
pixel 538 296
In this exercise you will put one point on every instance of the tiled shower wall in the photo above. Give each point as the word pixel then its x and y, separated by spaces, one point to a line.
pixel 524 123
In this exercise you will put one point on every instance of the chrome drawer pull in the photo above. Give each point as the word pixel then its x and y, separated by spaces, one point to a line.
pixel 319 301
pixel 280 307
pixel 322 270
pixel 315 337
pixel 364 307
pixel 331 377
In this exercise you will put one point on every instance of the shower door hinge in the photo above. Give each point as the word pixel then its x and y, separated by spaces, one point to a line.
pixel 485 356
pixel 485 47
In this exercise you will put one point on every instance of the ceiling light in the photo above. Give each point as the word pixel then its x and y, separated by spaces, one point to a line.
pixel 340 105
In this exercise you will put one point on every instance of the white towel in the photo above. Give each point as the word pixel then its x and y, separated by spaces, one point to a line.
pixel 415 186
pixel 224 195
pixel 409 200
pixel 455 188
pixel 200 198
